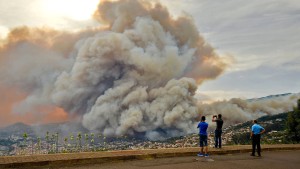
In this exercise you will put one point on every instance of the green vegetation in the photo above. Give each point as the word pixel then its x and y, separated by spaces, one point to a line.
pixel 283 128
pixel 275 127
pixel 241 138
pixel 47 139
pixel 92 141
pixel 293 124
pixel 39 144
pixel 79 136
pixel 25 136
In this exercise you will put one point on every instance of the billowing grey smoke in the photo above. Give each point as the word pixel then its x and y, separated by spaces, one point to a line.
pixel 129 108
pixel 237 110
pixel 110 59
pixel 127 79
pixel 137 75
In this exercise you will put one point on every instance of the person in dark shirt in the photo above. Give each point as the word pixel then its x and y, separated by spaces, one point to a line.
pixel 218 131
pixel 203 137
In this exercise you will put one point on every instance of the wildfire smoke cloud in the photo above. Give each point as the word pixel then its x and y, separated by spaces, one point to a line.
pixel 137 75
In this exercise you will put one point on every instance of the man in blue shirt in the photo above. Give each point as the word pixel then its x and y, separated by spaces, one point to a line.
pixel 203 137
pixel 256 131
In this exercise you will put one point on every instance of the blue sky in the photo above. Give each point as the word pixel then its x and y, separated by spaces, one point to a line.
pixel 262 37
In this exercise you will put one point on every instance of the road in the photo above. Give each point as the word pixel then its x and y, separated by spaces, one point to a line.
pixel 269 160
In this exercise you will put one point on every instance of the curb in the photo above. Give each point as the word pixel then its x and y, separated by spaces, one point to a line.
pixel 72 159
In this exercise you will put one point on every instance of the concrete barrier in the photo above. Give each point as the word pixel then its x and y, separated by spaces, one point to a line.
pixel 83 158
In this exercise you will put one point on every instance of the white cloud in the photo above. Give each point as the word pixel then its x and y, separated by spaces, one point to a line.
pixel 262 36
pixel 255 32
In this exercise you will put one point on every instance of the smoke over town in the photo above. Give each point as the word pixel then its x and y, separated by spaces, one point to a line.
pixel 136 74
pixel 238 110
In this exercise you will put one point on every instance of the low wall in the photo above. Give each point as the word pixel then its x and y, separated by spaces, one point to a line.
pixel 72 159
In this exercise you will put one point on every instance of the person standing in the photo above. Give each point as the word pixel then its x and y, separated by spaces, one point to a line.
pixel 218 131
pixel 203 137
pixel 256 131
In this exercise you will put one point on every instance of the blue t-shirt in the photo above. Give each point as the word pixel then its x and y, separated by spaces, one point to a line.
pixel 256 129
pixel 203 128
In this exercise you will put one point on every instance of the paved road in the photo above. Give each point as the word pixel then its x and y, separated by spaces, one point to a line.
pixel 269 160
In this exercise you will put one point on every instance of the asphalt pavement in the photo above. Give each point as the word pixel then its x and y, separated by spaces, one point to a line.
pixel 269 160
pixel 164 158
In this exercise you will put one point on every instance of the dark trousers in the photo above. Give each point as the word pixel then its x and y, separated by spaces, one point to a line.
pixel 256 143
pixel 218 138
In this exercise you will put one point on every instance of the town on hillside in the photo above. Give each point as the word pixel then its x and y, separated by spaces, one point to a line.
pixel 21 142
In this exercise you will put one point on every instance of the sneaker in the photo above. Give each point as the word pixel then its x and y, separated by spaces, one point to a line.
pixel 252 155
pixel 206 155
pixel 200 155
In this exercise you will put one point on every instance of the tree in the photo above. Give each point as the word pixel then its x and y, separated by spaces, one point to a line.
pixel 47 140
pixel 39 144
pixel 66 143
pixel 293 124
pixel 25 136
pixel 92 141
pixel 72 140
pixel 100 137
pixel 86 138
pixel 56 142
pixel 241 138
pixel 79 136
pixel 53 145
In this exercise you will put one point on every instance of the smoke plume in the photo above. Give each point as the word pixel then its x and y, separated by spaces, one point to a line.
pixel 237 110
pixel 137 74
pixel 128 79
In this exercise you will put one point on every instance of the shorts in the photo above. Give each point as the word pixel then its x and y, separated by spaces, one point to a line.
pixel 203 140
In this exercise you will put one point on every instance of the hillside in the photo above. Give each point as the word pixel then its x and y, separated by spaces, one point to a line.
pixel 235 134
pixel 273 124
